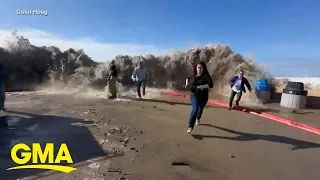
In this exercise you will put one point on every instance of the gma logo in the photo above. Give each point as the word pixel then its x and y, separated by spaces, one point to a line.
pixel 48 153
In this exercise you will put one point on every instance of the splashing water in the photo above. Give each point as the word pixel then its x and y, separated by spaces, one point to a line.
pixel 73 72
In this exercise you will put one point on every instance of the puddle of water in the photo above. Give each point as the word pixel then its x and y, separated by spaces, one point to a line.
pixel 33 127
pixel 12 120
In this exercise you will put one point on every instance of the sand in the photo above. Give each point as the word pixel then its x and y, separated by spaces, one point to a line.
pixel 142 139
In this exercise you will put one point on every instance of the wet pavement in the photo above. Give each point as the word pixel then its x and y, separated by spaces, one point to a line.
pixel 17 127
pixel 227 145
pixel 310 115
pixel 238 145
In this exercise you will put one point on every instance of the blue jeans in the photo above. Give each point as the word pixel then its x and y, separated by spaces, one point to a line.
pixel 142 84
pixel 198 104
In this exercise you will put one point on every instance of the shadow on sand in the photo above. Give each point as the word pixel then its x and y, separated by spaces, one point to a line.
pixel 256 110
pixel 242 136
pixel 31 128
pixel 164 101
pixel 175 103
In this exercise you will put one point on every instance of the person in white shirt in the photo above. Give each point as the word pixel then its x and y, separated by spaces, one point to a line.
pixel 140 76
pixel 237 84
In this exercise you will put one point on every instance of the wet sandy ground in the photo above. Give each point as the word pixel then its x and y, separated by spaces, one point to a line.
pixel 310 115
pixel 141 139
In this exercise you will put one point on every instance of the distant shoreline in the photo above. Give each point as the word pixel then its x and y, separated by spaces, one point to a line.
pixel 306 80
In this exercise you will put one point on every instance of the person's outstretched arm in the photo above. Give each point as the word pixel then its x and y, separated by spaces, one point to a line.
pixel 134 74
pixel 187 83
pixel 246 82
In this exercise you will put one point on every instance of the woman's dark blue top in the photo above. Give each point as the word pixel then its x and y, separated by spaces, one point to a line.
pixel 203 79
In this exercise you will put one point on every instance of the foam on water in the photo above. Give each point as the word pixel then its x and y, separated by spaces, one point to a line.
pixel 312 82
pixel 86 92
pixel 72 72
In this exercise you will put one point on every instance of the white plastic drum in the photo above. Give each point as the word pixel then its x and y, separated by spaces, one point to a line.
pixel 293 101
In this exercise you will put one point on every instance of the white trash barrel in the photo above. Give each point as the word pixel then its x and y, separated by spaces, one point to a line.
pixel 295 99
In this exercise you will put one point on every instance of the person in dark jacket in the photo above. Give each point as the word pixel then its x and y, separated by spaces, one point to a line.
pixel 200 84
pixel 237 84
pixel 112 80
pixel 2 89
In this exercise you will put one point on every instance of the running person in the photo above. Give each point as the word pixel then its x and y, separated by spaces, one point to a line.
pixel 2 89
pixel 112 80
pixel 140 76
pixel 237 87
pixel 200 83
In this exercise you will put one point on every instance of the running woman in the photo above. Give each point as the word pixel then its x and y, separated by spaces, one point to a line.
pixel 200 83
pixel 237 87
pixel 140 76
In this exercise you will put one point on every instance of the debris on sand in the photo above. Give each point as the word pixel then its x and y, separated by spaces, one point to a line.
pixel 113 170
pixel 91 111
pixel 125 141
pixel 95 159
pixel 102 141
pixel 134 149
pixel 116 130
pixel 94 165
pixel 179 163
pixel 113 152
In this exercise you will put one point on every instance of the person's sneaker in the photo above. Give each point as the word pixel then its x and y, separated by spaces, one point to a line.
pixel 197 122
pixel 237 104
pixel 189 130
pixel 230 108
